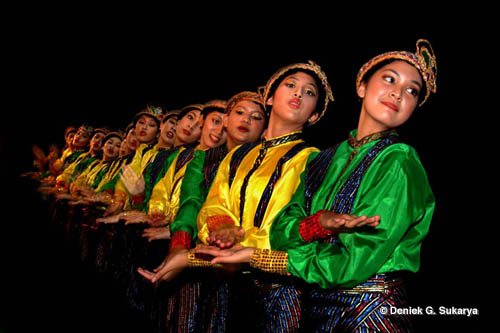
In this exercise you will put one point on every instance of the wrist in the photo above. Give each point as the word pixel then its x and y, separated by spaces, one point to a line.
pixel 180 239
pixel 198 259
pixel 219 221
pixel 311 229
pixel 271 261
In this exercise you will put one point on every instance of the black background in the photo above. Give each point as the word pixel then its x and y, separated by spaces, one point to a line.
pixel 63 72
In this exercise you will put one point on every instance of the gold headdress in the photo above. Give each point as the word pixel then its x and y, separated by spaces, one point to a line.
pixel 170 114
pixel 87 129
pixel 118 134
pixel 255 97
pixel 155 112
pixel 423 59
pixel 188 108
pixel 214 105
pixel 310 67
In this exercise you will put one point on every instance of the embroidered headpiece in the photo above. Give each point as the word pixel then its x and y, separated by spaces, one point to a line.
pixel 188 108
pixel 155 112
pixel 310 68
pixel 255 97
pixel 218 105
pixel 170 114
pixel 87 129
pixel 117 134
pixel 423 59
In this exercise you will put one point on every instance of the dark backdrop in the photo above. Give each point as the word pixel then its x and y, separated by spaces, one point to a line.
pixel 104 77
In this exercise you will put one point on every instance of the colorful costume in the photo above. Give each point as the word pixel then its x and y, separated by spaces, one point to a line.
pixel 360 272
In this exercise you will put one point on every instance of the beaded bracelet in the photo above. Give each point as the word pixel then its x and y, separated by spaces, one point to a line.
pixel 181 238
pixel 311 229
pixel 271 261
pixel 216 221
pixel 194 260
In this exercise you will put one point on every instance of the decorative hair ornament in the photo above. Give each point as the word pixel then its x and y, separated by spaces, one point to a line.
pixel 185 110
pixel 423 59
pixel 117 134
pixel 102 130
pixel 255 97
pixel 170 114
pixel 214 105
pixel 156 112
pixel 87 129
pixel 310 66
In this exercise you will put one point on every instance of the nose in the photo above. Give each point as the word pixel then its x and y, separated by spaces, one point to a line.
pixel 298 92
pixel 396 93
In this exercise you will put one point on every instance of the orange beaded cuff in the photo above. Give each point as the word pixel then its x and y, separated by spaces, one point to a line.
pixel 216 221
pixel 311 229
pixel 271 261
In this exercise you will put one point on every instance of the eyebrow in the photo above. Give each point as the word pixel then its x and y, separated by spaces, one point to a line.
pixel 396 73
pixel 309 83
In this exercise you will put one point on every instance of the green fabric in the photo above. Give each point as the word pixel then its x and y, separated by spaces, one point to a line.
pixel 395 186
pixel 116 165
pixel 193 194
pixel 82 166
pixel 99 176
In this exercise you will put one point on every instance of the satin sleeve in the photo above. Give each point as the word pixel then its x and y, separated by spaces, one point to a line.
pixel 135 164
pixel 284 232
pixel 192 195
pixel 395 188
pixel 217 201
pixel 159 202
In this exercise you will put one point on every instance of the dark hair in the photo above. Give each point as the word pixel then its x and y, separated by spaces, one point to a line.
pixel 321 89
pixel 381 64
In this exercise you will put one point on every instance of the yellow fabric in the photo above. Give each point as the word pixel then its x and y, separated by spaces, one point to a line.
pixel 165 197
pixel 82 179
pixel 68 172
pixel 59 163
pixel 113 171
pixel 138 164
pixel 222 200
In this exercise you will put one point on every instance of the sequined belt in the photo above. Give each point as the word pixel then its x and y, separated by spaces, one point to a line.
pixel 375 284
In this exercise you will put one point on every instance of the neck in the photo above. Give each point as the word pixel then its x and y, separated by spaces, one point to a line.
pixel 106 158
pixel 178 142
pixel 148 143
pixel 164 144
pixel 230 143
pixel 277 127
pixel 128 151
pixel 368 126
pixel 202 146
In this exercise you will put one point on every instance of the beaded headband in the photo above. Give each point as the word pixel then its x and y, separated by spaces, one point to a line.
pixel 88 129
pixel 70 129
pixel 214 105
pixel 100 130
pixel 310 66
pixel 423 59
pixel 188 108
pixel 247 96
pixel 111 134
pixel 156 112
pixel 170 114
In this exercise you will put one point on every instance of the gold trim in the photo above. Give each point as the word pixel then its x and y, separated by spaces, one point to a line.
pixel 311 66
pixel 423 59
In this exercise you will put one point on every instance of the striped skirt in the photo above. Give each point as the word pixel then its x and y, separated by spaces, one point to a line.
pixel 364 308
